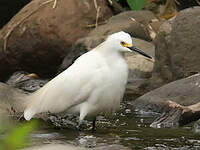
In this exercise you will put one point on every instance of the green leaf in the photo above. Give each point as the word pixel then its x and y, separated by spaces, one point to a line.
pixel 17 137
pixel 136 4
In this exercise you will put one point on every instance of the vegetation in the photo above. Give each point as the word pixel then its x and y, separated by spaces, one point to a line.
pixel 17 137
pixel 136 4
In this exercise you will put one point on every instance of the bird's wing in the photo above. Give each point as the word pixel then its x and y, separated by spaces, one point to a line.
pixel 71 87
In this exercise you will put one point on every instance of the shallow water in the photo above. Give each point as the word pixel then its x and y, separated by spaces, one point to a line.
pixel 127 128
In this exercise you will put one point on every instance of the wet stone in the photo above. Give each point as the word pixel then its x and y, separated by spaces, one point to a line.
pixel 25 81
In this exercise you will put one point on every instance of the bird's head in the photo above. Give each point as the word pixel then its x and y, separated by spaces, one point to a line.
pixel 122 42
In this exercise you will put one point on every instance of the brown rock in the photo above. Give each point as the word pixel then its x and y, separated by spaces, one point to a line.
pixel 38 37
pixel 175 115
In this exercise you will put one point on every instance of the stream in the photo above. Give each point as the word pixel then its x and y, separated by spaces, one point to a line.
pixel 127 128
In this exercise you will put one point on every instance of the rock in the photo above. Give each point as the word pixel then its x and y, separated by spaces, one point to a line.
pixel 140 68
pixel 17 77
pixel 13 94
pixel 71 147
pixel 39 36
pixel 122 22
pixel 25 81
pixel 115 6
pixel 177 48
pixel 11 100
pixel 175 115
pixel 183 4
pixel 135 88
pixel 185 92
pixel 55 147
pixel 112 147
pixel 196 127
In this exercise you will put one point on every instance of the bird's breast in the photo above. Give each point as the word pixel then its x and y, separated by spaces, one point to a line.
pixel 113 88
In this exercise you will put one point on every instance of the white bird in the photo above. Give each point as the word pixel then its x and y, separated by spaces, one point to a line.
pixel 94 84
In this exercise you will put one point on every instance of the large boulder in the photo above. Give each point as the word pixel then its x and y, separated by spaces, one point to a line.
pixel 123 22
pixel 185 92
pixel 177 48
pixel 39 36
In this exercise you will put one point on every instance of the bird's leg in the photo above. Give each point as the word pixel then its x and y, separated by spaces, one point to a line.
pixel 83 113
pixel 93 124
pixel 80 124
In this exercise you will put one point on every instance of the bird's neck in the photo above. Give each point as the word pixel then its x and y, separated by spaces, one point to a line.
pixel 109 53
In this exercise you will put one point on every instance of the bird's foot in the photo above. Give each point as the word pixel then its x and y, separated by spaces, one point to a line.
pixel 93 130
pixel 94 125
pixel 80 125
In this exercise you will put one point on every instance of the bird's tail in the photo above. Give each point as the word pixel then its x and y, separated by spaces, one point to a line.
pixel 34 104
pixel 28 114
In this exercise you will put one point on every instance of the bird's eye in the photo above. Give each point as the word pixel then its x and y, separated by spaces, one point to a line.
pixel 124 44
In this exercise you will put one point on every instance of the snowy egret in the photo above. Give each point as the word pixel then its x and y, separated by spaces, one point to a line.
pixel 94 84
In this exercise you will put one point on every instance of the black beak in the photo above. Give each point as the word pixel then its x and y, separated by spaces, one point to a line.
pixel 133 48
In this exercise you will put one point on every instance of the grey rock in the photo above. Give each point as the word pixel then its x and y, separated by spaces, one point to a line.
pixel 135 88
pixel 12 100
pixel 140 69
pixel 122 22
pixel 185 92
pixel 140 66
pixel 25 81
pixel 196 127
pixel 177 48
pixel 55 147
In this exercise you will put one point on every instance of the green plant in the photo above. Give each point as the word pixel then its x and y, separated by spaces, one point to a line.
pixel 16 138
pixel 136 4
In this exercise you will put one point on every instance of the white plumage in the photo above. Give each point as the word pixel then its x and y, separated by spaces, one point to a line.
pixel 93 84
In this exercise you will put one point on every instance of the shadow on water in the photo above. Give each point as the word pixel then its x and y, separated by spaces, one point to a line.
pixel 127 128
